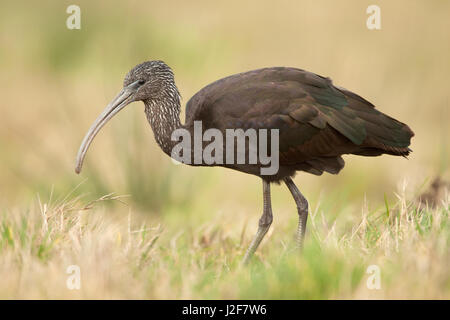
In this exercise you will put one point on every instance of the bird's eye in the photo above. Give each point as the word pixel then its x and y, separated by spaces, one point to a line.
pixel 141 82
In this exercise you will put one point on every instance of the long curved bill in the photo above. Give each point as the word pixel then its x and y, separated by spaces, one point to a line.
pixel 125 97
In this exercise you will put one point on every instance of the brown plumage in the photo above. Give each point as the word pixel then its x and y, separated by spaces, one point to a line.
pixel 317 122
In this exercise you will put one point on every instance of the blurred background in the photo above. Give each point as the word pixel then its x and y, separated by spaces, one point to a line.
pixel 55 81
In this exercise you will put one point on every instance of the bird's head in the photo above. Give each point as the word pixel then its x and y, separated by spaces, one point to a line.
pixel 148 79
pixel 144 82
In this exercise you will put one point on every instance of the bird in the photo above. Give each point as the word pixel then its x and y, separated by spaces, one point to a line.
pixel 317 123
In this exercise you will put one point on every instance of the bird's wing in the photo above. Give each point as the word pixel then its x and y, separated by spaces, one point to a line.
pixel 315 118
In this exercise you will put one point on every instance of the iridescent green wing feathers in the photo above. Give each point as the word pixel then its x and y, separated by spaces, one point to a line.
pixel 317 121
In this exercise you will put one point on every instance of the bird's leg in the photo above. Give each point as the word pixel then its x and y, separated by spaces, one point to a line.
pixel 302 209
pixel 264 223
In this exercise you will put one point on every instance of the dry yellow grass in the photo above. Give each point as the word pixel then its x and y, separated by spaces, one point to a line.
pixel 121 258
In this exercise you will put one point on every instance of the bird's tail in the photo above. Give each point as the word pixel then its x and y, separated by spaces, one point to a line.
pixel 385 135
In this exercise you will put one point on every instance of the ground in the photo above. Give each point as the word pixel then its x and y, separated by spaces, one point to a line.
pixel 399 250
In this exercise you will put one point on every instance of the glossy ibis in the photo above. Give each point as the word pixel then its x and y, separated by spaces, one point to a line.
pixel 317 123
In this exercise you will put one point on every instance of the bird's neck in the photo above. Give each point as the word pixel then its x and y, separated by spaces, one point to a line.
pixel 163 114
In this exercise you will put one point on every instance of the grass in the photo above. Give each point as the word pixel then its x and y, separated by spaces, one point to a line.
pixel 183 230
pixel 128 257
